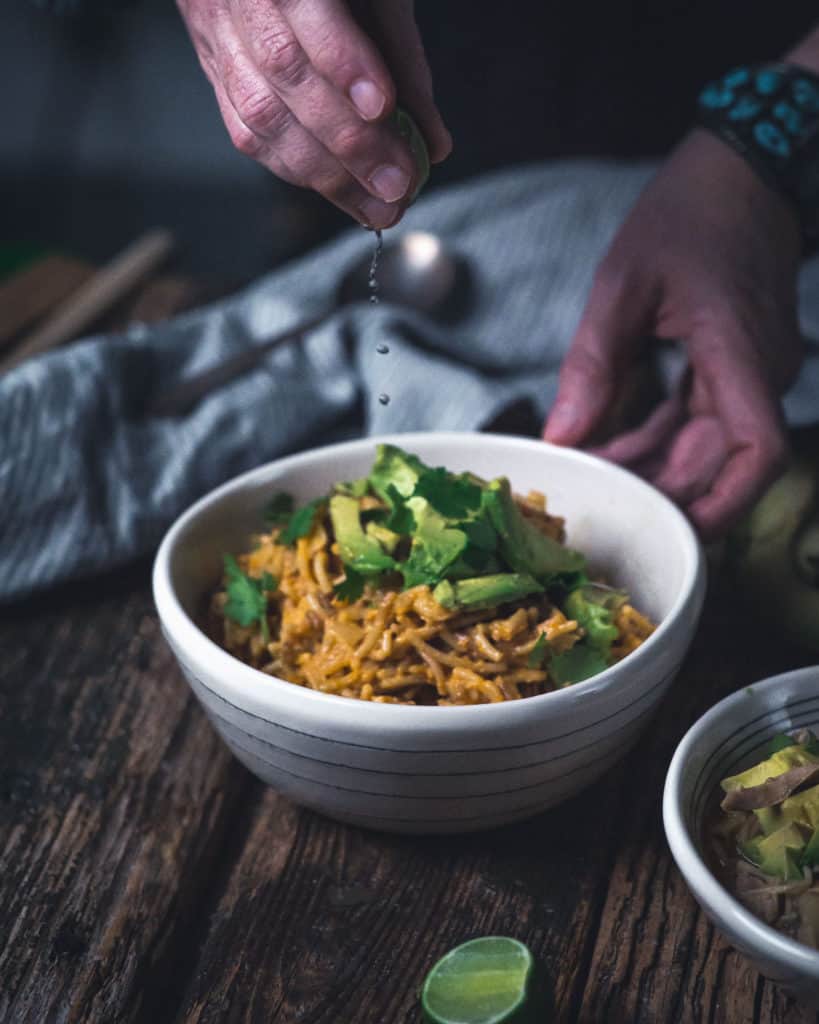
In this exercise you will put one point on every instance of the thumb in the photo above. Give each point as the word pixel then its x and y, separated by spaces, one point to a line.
pixel 612 329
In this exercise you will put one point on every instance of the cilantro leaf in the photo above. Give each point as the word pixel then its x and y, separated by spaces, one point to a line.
pixel 435 546
pixel 396 469
pixel 480 532
pixel 279 509
pixel 578 663
pixel 301 522
pixel 400 519
pixel 810 855
pixel 537 653
pixel 777 743
pixel 247 596
pixel 474 562
pixel 352 586
pixel 453 496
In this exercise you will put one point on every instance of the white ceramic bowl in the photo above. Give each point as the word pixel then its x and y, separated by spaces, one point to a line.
pixel 730 737
pixel 431 769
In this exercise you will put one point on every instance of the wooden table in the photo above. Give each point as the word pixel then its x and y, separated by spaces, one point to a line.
pixel 147 876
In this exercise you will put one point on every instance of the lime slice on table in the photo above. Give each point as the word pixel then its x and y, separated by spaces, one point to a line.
pixel 485 981
pixel 418 147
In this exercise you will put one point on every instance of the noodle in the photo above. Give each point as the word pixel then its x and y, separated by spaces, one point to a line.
pixel 400 646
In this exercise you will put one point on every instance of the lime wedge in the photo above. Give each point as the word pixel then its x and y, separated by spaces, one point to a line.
pixel 484 981
pixel 412 133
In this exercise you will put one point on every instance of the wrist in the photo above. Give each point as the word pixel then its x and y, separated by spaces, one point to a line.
pixel 769 115
pixel 806 53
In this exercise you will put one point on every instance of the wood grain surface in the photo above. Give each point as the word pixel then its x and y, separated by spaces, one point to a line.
pixel 146 876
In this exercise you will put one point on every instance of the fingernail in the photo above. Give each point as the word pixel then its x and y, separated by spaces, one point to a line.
pixel 562 419
pixel 375 214
pixel 390 183
pixel 367 98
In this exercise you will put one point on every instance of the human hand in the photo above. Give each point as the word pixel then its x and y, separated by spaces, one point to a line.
pixel 708 257
pixel 308 93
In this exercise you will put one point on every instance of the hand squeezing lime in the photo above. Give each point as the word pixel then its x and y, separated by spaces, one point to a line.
pixel 485 981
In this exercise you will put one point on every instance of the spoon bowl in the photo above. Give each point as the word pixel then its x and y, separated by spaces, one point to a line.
pixel 417 272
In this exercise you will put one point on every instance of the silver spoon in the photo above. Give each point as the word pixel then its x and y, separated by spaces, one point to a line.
pixel 417 272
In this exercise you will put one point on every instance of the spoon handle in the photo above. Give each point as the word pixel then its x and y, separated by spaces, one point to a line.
pixel 182 399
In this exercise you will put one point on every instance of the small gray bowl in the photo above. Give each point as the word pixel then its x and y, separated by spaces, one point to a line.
pixel 728 738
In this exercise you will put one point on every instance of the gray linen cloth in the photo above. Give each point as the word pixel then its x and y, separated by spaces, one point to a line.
pixel 87 484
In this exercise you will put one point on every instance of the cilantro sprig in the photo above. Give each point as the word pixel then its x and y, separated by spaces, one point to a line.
pixel 279 509
pixel 538 652
pixel 247 596
pixel 352 586
pixel 301 522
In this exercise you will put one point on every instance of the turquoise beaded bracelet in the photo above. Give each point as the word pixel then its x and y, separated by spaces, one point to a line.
pixel 770 115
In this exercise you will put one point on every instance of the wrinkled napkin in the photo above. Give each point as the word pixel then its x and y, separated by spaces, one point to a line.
pixel 88 483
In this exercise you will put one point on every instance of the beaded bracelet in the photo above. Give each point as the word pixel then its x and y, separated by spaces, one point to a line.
pixel 770 115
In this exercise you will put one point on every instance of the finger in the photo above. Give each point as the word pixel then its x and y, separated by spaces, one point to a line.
pixel 616 316
pixel 343 53
pixel 400 42
pixel 694 460
pixel 301 160
pixel 295 58
pixel 635 446
pixel 728 360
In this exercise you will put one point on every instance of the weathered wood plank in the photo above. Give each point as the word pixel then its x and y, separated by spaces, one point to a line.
pixel 116 802
pixel 318 919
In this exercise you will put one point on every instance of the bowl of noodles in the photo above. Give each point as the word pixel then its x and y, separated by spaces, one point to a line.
pixel 741 813
pixel 430 632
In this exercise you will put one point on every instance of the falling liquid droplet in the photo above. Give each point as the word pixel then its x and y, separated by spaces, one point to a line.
pixel 372 280
pixel 384 399
pixel 382 349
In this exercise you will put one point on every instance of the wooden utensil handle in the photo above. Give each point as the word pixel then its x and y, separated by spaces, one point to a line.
pixel 91 300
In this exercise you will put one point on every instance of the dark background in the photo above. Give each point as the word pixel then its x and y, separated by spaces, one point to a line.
pixel 109 126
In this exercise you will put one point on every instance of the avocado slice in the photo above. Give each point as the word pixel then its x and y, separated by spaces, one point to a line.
pixel 358 550
pixel 522 545
pixel 800 809
pixel 388 539
pixel 778 854
pixel 485 591
pixel 777 764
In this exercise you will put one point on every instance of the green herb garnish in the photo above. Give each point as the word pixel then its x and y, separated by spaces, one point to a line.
pixel 247 596
pixel 537 653
pixel 578 663
pixel 453 496
pixel 351 587
pixel 301 522
pixel 278 510
pixel 779 742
